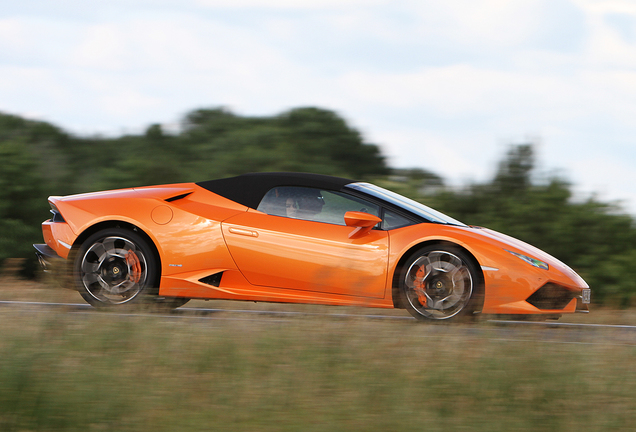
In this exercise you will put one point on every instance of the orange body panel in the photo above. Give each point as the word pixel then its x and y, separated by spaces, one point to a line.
pixel 264 257
pixel 296 254
pixel 58 237
pixel 235 287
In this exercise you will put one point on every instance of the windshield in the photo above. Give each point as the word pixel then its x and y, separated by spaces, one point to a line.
pixel 405 203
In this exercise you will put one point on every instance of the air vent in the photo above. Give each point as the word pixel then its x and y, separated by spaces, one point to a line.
pixel 214 279
pixel 178 197
pixel 551 296
pixel 57 216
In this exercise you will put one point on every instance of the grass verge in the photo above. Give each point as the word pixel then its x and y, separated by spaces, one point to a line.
pixel 103 372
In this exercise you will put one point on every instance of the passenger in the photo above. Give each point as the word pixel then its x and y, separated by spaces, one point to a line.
pixel 295 203
pixel 291 208
pixel 273 203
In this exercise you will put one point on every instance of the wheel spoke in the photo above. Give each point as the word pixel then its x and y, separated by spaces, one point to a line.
pixel 450 300
pixel 99 250
pixel 460 274
pixel 105 285
pixel 109 244
pixel 121 287
pixel 421 263
pixel 89 279
pixel 90 267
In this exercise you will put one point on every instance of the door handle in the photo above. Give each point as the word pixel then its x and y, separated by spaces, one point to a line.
pixel 241 231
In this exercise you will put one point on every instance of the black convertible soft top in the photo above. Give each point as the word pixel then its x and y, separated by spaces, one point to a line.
pixel 249 189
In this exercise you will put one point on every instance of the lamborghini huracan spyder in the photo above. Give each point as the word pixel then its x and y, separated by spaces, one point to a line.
pixel 298 238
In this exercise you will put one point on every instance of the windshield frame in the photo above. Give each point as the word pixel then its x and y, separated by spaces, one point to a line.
pixel 400 201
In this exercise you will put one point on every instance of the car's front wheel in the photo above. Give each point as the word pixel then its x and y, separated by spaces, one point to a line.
pixel 115 267
pixel 439 283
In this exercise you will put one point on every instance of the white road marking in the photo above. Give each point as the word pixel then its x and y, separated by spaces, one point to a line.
pixel 192 312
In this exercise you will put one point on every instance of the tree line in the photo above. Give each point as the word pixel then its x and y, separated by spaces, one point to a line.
pixel 38 159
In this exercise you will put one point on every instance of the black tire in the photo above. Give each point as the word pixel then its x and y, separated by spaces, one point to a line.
pixel 439 283
pixel 117 267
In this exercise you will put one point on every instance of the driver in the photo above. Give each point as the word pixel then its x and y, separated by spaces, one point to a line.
pixel 309 204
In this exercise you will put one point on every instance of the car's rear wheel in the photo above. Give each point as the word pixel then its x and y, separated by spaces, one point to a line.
pixel 439 283
pixel 115 267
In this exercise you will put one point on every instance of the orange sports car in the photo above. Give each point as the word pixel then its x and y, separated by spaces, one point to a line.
pixel 298 238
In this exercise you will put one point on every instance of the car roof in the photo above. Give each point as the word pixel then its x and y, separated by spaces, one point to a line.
pixel 249 189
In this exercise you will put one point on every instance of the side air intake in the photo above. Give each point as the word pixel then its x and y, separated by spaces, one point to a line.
pixel 214 279
pixel 177 197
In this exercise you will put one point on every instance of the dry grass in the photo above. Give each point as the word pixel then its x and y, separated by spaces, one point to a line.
pixel 99 371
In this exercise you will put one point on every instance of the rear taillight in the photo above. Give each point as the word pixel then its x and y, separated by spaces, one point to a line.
pixel 57 216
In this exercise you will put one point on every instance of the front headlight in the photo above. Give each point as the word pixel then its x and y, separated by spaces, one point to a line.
pixel 532 261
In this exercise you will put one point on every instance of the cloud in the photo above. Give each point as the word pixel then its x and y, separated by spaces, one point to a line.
pixel 613 181
pixel 441 85
pixel 288 4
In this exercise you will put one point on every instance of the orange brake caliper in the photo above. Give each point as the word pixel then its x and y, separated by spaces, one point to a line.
pixel 135 266
pixel 419 285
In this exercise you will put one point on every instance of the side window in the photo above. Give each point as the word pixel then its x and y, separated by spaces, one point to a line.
pixel 393 220
pixel 337 204
pixel 313 204
pixel 274 202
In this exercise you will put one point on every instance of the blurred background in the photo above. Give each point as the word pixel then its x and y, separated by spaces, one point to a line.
pixel 517 116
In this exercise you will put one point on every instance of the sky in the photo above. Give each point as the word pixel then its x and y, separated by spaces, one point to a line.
pixel 445 86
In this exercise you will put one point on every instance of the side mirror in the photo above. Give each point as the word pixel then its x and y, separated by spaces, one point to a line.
pixel 361 221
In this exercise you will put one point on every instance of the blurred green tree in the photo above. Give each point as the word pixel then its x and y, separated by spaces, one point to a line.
pixel 21 204
pixel 302 139
pixel 597 239
pixel 594 238
pixel 39 160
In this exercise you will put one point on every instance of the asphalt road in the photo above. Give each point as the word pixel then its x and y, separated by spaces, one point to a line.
pixel 503 330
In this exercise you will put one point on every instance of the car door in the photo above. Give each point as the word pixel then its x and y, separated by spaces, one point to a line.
pixel 298 240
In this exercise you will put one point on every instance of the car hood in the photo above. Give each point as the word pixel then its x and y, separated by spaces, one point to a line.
pixel 518 246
